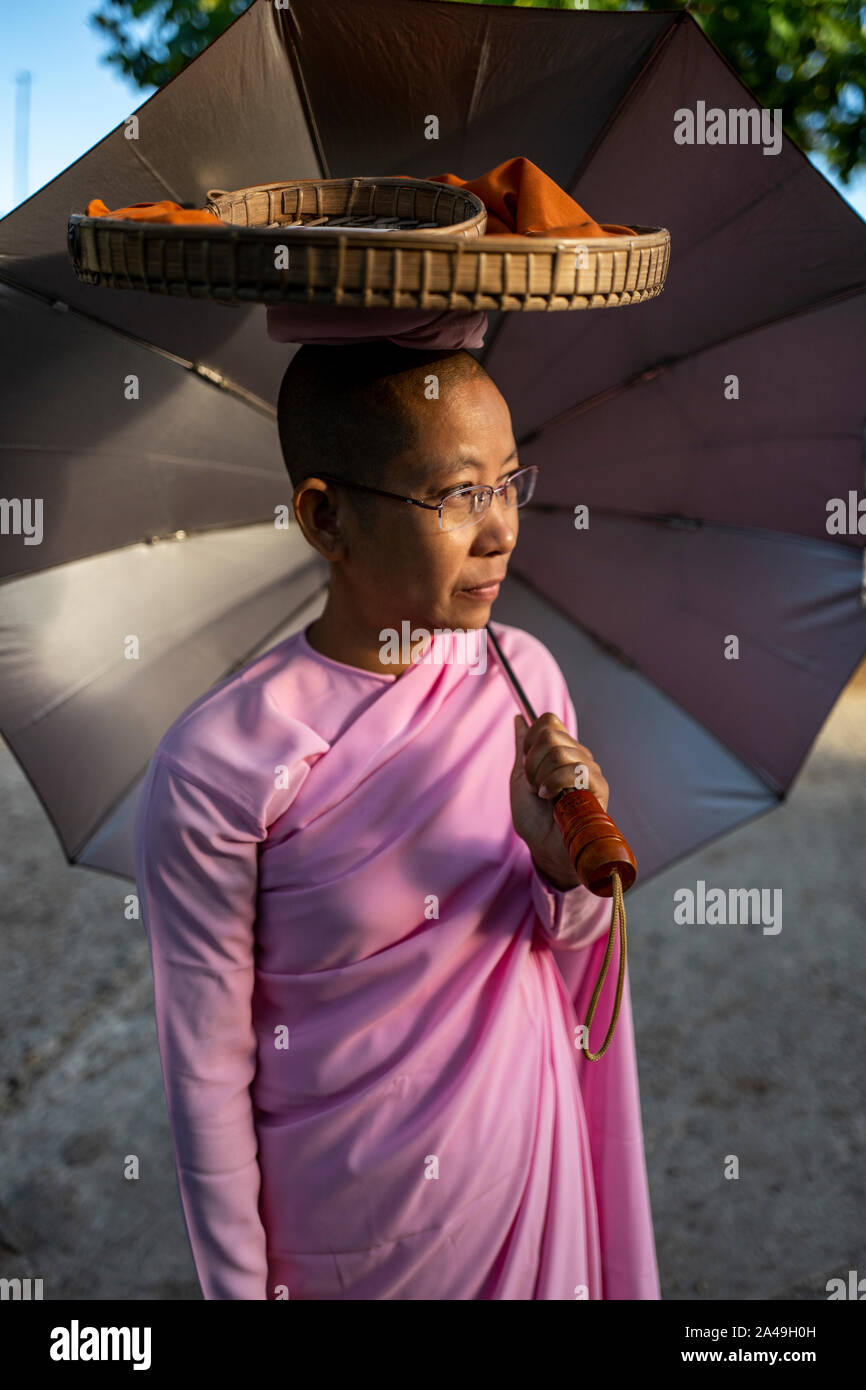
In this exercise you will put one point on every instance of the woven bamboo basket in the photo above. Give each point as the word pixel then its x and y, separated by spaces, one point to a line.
pixel 389 204
pixel 366 243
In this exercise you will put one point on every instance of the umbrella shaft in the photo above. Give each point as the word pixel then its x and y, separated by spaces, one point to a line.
pixel 521 693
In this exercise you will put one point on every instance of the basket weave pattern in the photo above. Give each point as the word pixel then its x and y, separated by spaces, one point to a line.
pixel 407 204
pixel 367 243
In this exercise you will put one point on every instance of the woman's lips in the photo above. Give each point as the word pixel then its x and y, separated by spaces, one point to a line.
pixel 483 595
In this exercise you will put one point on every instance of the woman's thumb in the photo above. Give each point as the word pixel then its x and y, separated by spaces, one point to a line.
pixel 520 727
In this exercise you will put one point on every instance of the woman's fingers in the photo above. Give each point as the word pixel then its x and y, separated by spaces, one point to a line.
pixel 557 762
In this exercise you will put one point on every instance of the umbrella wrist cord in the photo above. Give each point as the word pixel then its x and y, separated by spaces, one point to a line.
pixel 617 911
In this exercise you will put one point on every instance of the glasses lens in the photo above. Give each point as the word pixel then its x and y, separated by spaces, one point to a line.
pixel 462 508
pixel 520 488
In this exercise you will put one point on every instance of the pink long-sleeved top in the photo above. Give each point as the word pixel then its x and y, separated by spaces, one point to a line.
pixel 367 999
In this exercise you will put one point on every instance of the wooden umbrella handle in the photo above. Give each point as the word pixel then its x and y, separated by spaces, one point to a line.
pixel 594 844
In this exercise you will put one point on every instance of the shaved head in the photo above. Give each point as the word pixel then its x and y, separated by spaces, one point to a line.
pixel 350 410
pixel 420 425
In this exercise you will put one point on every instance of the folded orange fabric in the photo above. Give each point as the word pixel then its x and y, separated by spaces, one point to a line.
pixel 151 212
pixel 521 200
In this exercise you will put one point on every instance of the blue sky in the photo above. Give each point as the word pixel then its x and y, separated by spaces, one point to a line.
pixel 75 99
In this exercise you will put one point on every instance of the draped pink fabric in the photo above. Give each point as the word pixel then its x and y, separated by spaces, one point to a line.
pixel 330 325
pixel 364 995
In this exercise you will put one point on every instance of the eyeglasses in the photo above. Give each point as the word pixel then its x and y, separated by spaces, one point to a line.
pixel 466 505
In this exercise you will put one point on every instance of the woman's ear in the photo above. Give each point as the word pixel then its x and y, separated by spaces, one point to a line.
pixel 317 512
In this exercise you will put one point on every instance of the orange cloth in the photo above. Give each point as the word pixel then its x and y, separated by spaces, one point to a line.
pixel 151 212
pixel 519 197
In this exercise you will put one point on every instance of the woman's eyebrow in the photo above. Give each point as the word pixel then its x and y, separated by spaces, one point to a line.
pixel 447 470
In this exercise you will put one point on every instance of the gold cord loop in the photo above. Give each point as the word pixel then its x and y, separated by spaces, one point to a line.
pixel 618 906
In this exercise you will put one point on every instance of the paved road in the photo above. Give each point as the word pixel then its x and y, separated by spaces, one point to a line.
pixel 750 1045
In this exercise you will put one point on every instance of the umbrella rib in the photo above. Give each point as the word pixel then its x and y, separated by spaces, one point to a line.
pixel 670 32
pixel 481 64
pixel 155 174
pixel 665 363
pixel 145 455
pixel 180 534
pixel 678 521
pixel 287 24
pixel 199 369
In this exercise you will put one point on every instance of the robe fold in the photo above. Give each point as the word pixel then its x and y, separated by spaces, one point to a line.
pixel 367 997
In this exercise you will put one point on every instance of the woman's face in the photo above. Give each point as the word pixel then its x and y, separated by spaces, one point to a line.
pixel 400 566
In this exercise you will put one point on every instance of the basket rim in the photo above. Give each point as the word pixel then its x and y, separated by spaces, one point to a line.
pixel 513 244
pixel 386 179
pixel 474 205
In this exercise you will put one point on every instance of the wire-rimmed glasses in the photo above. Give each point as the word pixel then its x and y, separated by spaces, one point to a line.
pixel 465 505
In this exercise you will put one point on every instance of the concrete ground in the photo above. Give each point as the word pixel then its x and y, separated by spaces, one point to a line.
pixel 749 1045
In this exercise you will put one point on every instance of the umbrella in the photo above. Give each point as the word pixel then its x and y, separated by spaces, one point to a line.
pixel 704 618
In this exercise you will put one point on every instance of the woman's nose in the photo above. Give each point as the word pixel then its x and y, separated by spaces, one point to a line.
pixel 500 520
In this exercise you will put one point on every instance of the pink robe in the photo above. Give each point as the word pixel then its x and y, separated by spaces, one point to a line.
pixel 365 995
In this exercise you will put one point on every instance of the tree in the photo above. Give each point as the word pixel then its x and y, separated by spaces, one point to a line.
pixel 803 57
pixel 175 32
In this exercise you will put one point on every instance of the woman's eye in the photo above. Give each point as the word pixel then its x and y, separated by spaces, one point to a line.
pixel 460 487
pixel 466 487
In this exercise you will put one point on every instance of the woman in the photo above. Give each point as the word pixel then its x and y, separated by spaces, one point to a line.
pixel 367 938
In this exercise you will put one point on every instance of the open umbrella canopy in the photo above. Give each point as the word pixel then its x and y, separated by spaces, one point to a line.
pixel 705 432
